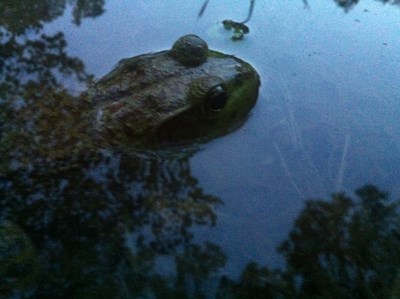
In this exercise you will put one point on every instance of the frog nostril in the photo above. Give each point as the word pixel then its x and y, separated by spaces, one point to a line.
pixel 239 77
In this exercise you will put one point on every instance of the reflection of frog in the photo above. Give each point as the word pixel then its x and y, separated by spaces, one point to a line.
pixel 185 94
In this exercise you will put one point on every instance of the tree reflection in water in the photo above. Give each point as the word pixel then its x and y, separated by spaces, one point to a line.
pixel 342 248
pixel 77 221
pixel 26 54
pixel 81 221
pixel 74 224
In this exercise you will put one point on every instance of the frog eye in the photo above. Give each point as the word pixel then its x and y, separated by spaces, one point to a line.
pixel 217 99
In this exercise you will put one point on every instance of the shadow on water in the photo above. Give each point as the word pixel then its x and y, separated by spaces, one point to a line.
pixel 80 222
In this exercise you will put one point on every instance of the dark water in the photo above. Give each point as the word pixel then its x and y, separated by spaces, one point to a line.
pixel 300 202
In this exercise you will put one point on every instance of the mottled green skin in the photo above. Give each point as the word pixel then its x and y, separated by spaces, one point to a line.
pixel 154 99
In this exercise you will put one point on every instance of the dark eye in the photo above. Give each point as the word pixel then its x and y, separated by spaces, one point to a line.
pixel 217 99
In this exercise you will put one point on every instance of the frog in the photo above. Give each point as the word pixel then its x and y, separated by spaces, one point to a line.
pixel 188 94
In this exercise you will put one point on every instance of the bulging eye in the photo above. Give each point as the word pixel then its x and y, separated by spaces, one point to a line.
pixel 217 99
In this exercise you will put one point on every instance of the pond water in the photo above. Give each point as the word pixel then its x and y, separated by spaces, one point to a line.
pixel 300 201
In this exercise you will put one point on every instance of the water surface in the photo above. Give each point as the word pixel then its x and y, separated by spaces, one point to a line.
pixel 114 225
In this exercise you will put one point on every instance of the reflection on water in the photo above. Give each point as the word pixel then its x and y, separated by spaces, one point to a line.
pixel 101 228
pixel 348 4
pixel 75 220
pixel 72 224
pixel 339 248
pixel 79 222
pixel 27 55
pixel 239 28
